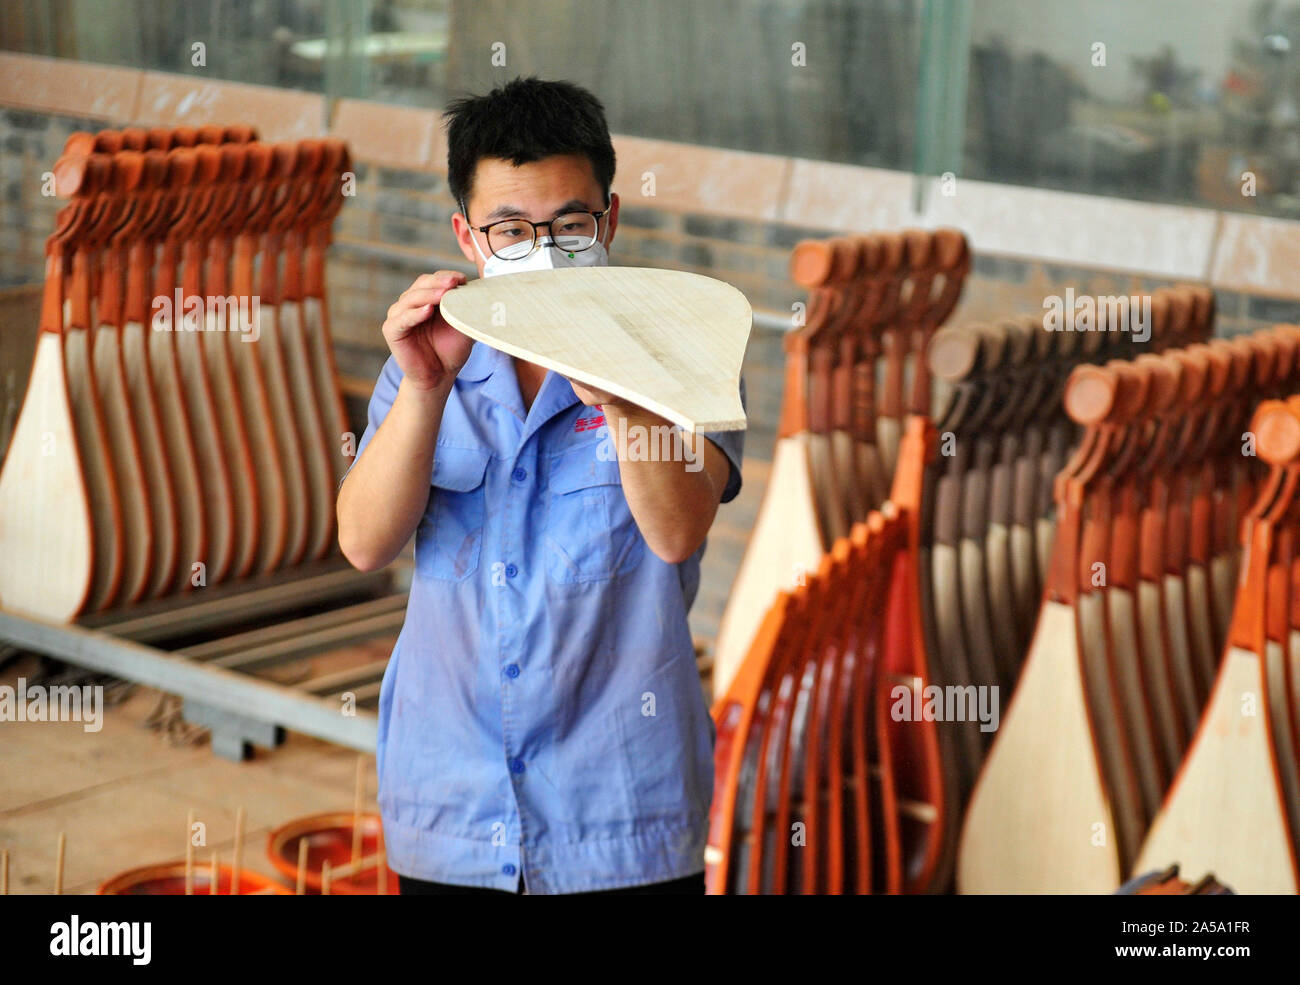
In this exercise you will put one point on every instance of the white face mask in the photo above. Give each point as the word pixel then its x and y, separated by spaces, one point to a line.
pixel 545 256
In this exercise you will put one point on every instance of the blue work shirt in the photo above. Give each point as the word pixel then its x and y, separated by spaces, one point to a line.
pixel 541 714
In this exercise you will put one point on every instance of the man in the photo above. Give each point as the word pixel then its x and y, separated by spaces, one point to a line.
pixel 541 724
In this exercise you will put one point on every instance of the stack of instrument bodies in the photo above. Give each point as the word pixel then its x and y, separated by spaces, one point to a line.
pixel 1154 711
pixel 852 735
pixel 988 513
pixel 183 424
pixel 854 369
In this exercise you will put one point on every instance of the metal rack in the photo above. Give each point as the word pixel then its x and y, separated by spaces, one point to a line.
pixel 214 646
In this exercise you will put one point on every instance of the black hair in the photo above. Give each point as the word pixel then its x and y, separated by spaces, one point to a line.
pixel 523 121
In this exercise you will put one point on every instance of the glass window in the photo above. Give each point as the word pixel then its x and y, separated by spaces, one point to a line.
pixel 823 79
pixel 1164 100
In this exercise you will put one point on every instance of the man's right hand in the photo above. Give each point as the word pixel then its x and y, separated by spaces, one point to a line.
pixel 428 350
pixel 395 469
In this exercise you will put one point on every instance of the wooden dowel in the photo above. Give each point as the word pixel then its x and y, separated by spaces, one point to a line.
pixel 214 880
pixel 239 852
pixel 381 885
pixel 302 867
pixel 355 868
pixel 189 853
pixel 357 795
pixel 325 879
pixel 58 864
pixel 4 872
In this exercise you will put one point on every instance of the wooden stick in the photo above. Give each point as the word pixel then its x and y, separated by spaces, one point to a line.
pixel 189 853
pixel 302 866
pixel 325 879
pixel 4 872
pixel 356 868
pixel 214 879
pixel 356 808
pixel 58 865
pixel 381 885
pixel 239 852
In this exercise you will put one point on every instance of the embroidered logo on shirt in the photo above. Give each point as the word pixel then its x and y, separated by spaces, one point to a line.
pixel 589 423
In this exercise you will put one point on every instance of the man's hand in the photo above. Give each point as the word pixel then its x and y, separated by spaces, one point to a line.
pixel 428 350
pixel 592 397
pixel 672 500
pixel 386 492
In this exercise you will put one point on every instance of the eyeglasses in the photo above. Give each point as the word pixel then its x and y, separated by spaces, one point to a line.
pixel 514 239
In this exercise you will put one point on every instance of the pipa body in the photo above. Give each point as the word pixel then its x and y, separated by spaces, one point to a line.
pixel 669 341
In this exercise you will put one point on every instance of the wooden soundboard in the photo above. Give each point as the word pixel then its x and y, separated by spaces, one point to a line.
pixel 669 341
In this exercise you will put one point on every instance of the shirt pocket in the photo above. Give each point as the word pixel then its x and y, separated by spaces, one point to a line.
pixel 590 535
pixel 450 537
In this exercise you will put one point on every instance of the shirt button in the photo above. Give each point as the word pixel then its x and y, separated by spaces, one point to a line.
pixel 519 474
pixel 511 571
pixel 516 766
pixel 512 670
pixel 508 869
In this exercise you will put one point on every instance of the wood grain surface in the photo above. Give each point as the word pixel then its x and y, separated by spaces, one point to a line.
pixel 1039 807
pixel 45 533
pixel 1224 814
pixel 666 340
